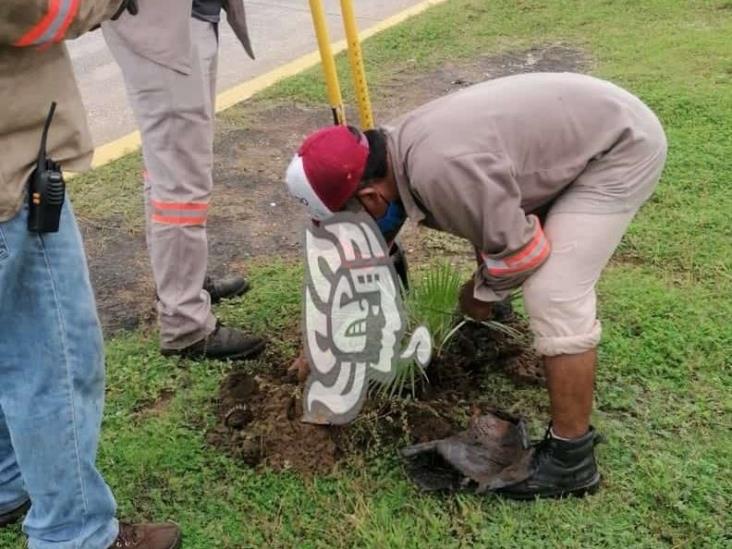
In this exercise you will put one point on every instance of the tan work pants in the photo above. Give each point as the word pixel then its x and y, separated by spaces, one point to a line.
pixel 175 114
pixel 584 228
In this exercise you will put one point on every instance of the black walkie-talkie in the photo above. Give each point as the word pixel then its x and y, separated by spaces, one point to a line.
pixel 46 188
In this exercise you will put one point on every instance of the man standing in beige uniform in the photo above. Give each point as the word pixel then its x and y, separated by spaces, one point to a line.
pixel 481 163
pixel 168 55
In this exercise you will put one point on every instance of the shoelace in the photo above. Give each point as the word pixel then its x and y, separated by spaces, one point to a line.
pixel 542 449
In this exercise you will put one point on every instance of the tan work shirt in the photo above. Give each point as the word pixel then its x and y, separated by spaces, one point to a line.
pixel 478 162
pixel 35 70
pixel 161 32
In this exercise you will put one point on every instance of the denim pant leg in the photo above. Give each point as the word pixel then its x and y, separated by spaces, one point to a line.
pixel 52 384
pixel 12 489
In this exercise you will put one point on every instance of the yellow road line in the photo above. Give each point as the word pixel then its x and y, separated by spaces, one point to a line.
pixel 104 154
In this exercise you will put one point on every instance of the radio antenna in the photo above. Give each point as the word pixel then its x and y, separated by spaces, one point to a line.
pixel 44 137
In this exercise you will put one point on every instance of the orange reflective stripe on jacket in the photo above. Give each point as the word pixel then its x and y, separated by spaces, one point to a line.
pixel 526 259
pixel 53 26
pixel 179 213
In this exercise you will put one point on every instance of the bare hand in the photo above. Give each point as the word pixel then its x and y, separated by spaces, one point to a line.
pixel 301 367
pixel 471 307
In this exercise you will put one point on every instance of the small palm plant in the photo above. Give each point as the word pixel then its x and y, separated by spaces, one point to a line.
pixel 430 303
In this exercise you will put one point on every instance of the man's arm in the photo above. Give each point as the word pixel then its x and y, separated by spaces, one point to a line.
pixel 34 23
pixel 510 268
pixel 475 196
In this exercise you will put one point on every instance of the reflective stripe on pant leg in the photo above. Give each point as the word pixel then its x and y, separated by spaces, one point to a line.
pixel 179 213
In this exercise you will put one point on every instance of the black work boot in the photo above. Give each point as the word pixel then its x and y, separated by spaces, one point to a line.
pixel 222 343
pixel 561 468
pixel 225 288
pixel 11 517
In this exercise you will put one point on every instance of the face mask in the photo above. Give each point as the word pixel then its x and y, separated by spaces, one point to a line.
pixel 391 222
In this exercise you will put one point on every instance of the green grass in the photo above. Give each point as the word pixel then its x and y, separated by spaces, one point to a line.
pixel 111 192
pixel 664 383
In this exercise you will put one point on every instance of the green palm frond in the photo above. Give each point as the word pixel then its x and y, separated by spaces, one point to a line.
pixel 432 302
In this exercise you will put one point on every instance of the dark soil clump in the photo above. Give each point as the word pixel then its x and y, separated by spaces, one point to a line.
pixel 260 423
pixel 477 348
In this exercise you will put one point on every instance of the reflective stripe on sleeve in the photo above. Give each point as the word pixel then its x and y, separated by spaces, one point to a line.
pixel 53 26
pixel 526 259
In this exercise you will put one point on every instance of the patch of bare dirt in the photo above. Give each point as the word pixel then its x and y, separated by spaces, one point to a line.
pixel 259 416
pixel 260 421
pixel 251 214
pixel 120 275
pixel 156 406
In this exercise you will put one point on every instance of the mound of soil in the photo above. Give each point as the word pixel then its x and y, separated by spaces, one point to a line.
pixel 259 421
pixel 476 345
pixel 259 416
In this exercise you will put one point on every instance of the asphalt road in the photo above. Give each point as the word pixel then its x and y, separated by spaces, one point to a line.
pixel 281 31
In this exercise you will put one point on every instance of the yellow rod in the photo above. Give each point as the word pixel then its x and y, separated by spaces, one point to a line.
pixel 326 56
pixel 355 58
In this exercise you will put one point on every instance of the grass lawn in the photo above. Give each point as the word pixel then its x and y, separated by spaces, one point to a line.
pixel 665 378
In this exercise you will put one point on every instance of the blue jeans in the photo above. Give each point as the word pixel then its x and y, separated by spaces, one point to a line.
pixel 51 388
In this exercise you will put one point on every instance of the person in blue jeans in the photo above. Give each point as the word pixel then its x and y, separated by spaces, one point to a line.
pixel 52 395
pixel 51 350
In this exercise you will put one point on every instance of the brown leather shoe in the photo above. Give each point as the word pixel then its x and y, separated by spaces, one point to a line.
pixel 147 536
pixel 11 517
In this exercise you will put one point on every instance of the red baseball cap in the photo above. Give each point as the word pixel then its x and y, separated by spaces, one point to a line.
pixel 327 169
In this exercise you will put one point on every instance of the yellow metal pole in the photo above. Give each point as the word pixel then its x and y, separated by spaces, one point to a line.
pixel 326 55
pixel 357 68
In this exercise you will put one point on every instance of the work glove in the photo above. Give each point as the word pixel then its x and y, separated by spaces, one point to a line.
pixel 128 5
